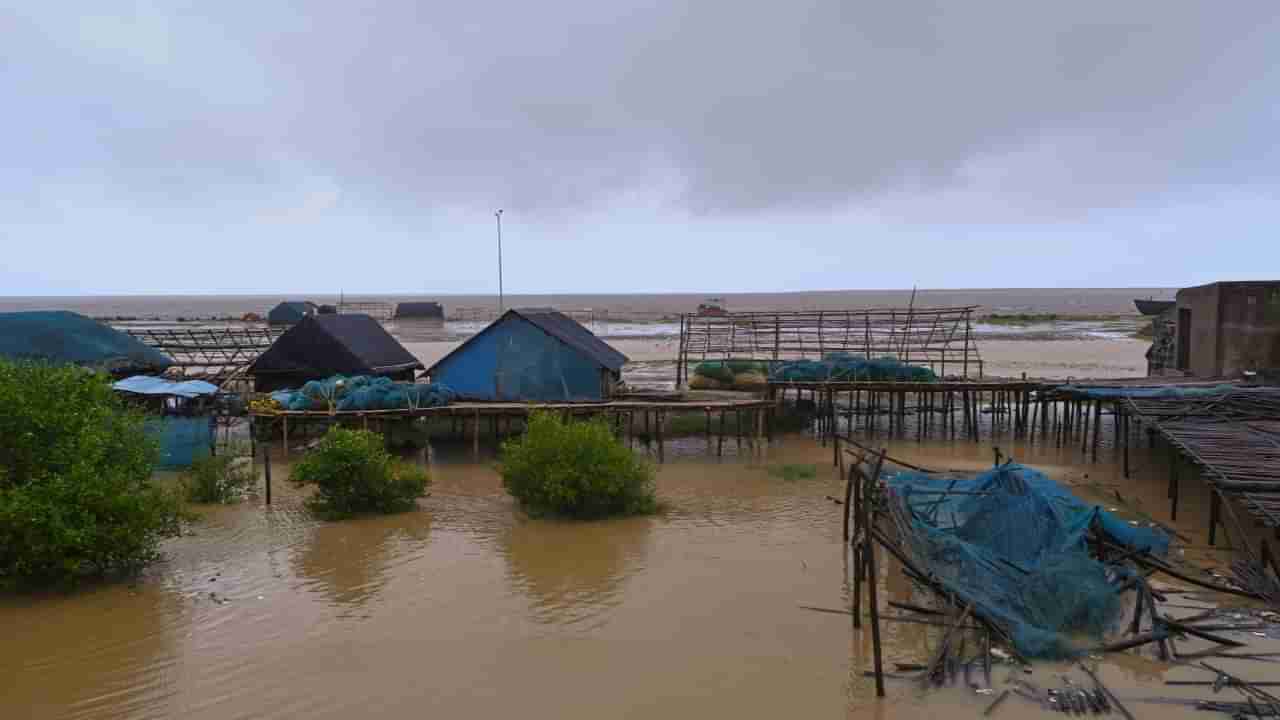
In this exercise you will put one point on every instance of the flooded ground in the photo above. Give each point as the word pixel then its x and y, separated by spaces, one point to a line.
pixel 467 609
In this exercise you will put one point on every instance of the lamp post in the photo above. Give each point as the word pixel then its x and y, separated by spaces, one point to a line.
pixel 501 305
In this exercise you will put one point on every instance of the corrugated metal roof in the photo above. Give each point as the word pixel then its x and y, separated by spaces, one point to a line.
pixel 574 334
pixel 559 326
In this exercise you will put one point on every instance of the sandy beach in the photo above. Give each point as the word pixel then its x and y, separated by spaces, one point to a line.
pixel 654 359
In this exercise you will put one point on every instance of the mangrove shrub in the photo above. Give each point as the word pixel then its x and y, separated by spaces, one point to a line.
pixel 218 478
pixel 575 469
pixel 353 473
pixel 76 493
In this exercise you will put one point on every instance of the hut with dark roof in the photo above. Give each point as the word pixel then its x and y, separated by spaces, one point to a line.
pixel 291 312
pixel 419 311
pixel 62 337
pixel 532 355
pixel 322 346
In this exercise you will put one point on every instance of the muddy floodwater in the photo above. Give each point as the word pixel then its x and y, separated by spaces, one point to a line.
pixel 467 609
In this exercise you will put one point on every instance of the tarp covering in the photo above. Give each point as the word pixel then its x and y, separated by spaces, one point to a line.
pixel 1173 392
pixel 363 393
pixel 291 312
pixel 60 336
pixel 1014 545
pixel 146 385
pixel 846 367
pixel 182 439
pixel 325 345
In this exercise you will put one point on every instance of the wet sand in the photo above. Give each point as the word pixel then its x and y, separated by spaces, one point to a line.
pixel 1054 359
pixel 465 608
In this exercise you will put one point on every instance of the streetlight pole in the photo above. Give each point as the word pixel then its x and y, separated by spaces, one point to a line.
pixel 501 304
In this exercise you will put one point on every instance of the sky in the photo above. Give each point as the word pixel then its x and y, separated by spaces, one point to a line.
pixel 635 145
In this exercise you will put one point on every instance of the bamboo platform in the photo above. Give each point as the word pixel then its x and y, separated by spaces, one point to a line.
pixel 949 407
pixel 1232 439
pixel 630 418
pixel 210 353
pixel 939 338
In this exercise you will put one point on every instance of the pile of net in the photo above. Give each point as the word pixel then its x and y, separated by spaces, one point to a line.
pixel 730 375
pixel 363 392
pixel 1013 543
pixel 846 367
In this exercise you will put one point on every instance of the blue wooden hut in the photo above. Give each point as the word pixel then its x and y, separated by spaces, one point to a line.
pixel 531 355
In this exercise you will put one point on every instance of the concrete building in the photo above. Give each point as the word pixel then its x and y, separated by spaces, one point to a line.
pixel 1226 328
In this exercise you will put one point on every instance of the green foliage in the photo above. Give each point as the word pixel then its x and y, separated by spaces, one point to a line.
pixel 575 469
pixel 218 479
pixel 787 420
pixel 1023 318
pixel 76 494
pixel 792 472
pixel 353 473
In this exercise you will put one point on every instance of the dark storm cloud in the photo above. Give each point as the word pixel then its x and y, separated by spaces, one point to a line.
pixel 719 107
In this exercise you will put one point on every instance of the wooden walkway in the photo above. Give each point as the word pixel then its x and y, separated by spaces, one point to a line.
pixel 632 418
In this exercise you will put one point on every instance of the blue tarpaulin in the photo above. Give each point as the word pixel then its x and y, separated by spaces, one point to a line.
pixel 58 336
pixel 182 439
pixel 146 385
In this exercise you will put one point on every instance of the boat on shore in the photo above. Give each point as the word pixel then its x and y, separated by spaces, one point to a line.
pixel 1153 307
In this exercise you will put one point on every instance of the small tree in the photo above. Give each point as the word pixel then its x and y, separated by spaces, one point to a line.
pixel 76 494
pixel 353 473
pixel 218 478
pixel 576 469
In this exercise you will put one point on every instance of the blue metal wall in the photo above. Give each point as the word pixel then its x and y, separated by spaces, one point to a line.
pixel 516 361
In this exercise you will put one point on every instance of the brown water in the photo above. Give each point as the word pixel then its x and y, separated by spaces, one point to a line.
pixel 467 609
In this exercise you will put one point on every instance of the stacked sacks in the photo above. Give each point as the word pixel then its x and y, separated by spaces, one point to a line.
pixel 730 375
pixel 846 367
pixel 363 393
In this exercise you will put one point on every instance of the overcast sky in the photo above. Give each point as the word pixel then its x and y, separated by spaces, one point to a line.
pixel 703 145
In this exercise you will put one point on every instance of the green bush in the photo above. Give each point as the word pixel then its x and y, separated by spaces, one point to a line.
pixel 575 469
pixel 218 479
pixel 76 493
pixel 353 473
pixel 792 471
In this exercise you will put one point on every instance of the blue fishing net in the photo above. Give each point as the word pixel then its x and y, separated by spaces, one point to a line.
pixel 1013 543
pixel 363 392
pixel 847 367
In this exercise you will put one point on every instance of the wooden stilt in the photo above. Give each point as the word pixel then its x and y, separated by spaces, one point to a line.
pixel 266 464
pixel 658 423
pixel 1215 509
pixel 720 440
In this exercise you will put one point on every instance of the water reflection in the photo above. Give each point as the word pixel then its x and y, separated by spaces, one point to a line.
pixel 349 562
pixel 101 652
pixel 574 572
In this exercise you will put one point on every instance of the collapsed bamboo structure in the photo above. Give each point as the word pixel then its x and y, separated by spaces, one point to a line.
pixel 875 519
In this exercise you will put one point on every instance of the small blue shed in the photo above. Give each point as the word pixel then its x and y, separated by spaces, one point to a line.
pixel 531 355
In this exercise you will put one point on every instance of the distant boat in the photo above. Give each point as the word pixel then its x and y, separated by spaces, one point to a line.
pixel 713 307
pixel 1153 307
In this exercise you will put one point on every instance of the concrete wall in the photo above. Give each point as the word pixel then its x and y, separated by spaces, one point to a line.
pixel 1202 301
pixel 1234 327
pixel 1250 334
